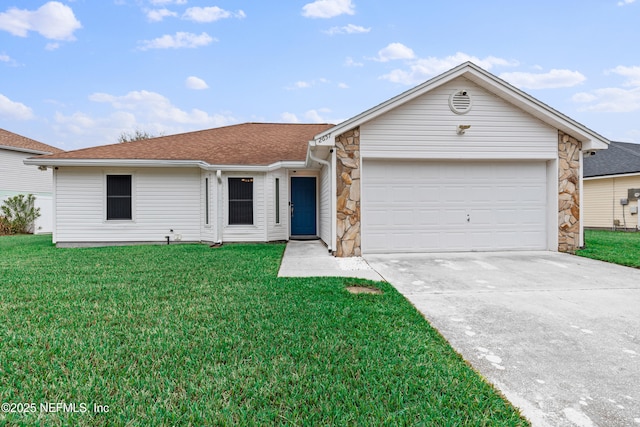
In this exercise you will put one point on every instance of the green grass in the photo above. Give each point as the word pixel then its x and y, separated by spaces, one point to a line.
pixel 189 335
pixel 618 247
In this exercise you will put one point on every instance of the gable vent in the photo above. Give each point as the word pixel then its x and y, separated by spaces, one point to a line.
pixel 460 102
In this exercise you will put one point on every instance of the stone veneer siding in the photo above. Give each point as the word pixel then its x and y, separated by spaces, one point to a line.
pixel 348 194
pixel 568 193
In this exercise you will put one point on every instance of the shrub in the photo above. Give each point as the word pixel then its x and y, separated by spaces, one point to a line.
pixel 18 214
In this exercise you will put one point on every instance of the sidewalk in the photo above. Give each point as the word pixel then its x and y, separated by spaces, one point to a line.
pixel 310 258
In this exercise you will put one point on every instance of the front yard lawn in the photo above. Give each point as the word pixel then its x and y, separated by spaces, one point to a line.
pixel 189 335
pixel 619 247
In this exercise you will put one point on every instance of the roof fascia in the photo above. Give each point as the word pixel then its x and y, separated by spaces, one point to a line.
pixel 590 139
pixel 24 150
pixel 622 175
pixel 37 161
pixel 160 163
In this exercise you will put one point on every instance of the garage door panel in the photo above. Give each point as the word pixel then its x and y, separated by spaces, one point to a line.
pixel 423 206
pixel 403 218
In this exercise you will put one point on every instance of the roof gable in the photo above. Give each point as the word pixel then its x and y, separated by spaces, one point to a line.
pixel 620 158
pixel 249 144
pixel 590 139
pixel 16 142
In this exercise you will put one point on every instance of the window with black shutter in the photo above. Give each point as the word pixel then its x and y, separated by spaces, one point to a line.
pixel 240 201
pixel 119 197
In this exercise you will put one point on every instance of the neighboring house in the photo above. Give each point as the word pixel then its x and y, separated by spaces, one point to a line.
pixel 608 178
pixel 462 162
pixel 17 178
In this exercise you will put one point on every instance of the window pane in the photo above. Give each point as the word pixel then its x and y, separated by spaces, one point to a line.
pixel 119 197
pixel 119 185
pixel 240 200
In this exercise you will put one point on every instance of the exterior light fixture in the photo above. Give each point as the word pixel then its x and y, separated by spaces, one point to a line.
pixel 462 128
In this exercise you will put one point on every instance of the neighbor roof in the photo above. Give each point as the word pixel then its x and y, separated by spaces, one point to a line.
pixel 620 158
pixel 22 143
pixel 250 144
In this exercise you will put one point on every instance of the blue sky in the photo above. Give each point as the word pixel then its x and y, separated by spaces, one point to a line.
pixel 79 73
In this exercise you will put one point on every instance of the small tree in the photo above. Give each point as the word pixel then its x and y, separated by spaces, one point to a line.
pixel 137 135
pixel 18 214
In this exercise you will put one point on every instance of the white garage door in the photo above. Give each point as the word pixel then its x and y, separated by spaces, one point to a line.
pixel 453 206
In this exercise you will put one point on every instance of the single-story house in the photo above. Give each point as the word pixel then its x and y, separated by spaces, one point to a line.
pixel 462 162
pixel 612 187
pixel 17 178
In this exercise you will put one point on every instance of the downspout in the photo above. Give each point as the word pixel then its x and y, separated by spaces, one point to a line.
pixel 219 209
pixel 581 190
pixel 334 202
pixel 54 201
pixel 312 144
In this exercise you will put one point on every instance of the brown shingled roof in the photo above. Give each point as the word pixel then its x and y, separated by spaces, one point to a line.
pixel 10 139
pixel 252 144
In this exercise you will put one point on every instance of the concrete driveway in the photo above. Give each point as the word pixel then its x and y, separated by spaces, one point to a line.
pixel 558 334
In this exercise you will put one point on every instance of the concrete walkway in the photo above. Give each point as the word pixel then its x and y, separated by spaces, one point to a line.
pixel 310 258
pixel 558 334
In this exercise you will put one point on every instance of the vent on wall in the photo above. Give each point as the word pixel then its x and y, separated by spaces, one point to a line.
pixel 460 102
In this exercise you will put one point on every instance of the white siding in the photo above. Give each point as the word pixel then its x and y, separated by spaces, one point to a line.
pixel 164 199
pixel 18 178
pixel 278 231
pixel 246 233
pixel 425 128
pixel 325 205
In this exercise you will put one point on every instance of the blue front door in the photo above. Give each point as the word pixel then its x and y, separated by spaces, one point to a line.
pixel 303 206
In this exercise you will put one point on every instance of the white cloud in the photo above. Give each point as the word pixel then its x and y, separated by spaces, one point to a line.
pixel 343 86
pixel 350 62
pixel 53 20
pixel 210 14
pixel 632 73
pixel 157 15
pixel 311 116
pixel 422 69
pixel 163 2
pixel 9 60
pixel 395 51
pixel 300 85
pixel 610 100
pixel 289 118
pixel 307 84
pixel 328 8
pixel 14 110
pixel 177 41
pixel 584 97
pixel 625 2
pixel 196 83
pixel 614 99
pixel 551 80
pixel 141 110
pixel 347 29
pixel 156 107
pixel 52 46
